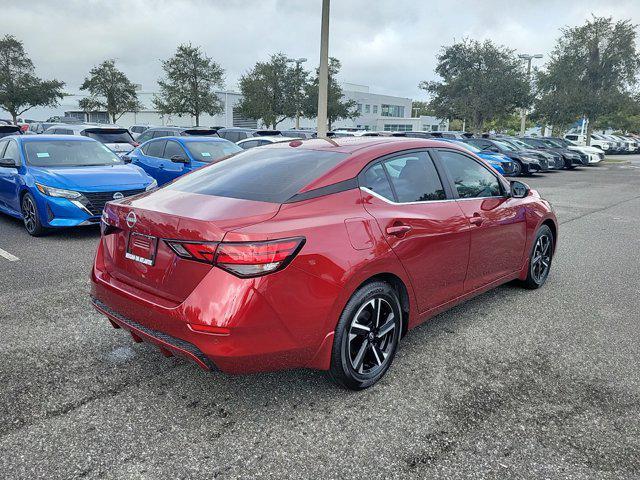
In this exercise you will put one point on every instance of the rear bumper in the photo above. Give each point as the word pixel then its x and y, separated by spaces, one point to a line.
pixel 267 323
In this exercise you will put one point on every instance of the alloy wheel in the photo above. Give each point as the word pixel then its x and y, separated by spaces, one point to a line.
pixel 371 337
pixel 541 259
pixel 29 214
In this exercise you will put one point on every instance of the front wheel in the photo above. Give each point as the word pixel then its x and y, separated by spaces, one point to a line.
pixel 517 168
pixel 540 258
pixel 366 337
pixel 30 216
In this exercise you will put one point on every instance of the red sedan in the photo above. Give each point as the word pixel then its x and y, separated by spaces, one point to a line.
pixel 316 253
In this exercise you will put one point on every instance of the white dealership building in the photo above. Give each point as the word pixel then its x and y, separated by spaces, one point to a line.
pixel 376 112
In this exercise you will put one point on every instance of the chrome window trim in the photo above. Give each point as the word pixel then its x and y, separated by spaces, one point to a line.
pixel 384 199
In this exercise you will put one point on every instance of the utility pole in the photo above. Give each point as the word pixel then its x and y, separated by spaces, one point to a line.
pixel 298 62
pixel 523 116
pixel 323 74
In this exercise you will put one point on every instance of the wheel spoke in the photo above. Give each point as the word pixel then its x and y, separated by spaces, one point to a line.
pixel 378 309
pixel 363 329
pixel 358 361
pixel 387 327
pixel 376 354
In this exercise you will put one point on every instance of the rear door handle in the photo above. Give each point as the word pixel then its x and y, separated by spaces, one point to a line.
pixel 476 219
pixel 398 230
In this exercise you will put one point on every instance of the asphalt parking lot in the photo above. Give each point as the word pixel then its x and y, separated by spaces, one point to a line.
pixel 513 384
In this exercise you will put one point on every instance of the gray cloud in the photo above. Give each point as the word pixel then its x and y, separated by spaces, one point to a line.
pixel 389 45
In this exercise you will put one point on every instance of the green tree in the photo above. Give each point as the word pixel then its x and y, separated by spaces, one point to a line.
pixel 480 82
pixel 271 91
pixel 591 72
pixel 337 108
pixel 189 86
pixel 419 109
pixel 109 89
pixel 20 89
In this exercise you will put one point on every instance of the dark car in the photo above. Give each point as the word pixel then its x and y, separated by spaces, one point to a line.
pixel 412 134
pixel 302 134
pixel 554 160
pixel 526 162
pixel 6 130
pixel 571 158
pixel 175 132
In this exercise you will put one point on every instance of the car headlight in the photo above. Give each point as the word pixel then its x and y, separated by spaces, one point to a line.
pixel 57 192
pixel 529 159
pixel 152 185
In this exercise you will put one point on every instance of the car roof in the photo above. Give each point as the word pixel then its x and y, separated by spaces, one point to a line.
pixel 358 152
pixel 59 138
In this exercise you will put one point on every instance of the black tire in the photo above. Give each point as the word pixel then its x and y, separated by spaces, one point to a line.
pixel 517 168
pixel 364 348
pixel 568 164
pixel 30 216
pixel 540 258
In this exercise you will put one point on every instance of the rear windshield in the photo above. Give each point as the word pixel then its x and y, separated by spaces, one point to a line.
pixel 109 136
pixel 61 153
pixel 211 151
pixel 261 174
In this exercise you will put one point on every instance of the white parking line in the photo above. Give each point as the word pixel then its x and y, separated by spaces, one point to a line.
pixel 8 256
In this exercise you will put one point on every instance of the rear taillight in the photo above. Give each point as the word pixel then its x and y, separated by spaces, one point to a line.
pixel 243 259
pixel 201 252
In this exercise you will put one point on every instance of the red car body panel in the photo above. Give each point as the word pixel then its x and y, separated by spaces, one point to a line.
pixel 286 319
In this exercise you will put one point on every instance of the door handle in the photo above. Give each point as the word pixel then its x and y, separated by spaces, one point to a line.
pixel 476 219
pixel 398 230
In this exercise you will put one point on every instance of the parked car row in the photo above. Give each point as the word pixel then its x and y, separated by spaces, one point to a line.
pixel 613 144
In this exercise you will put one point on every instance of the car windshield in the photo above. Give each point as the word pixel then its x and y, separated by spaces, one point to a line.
pixel 115 135
pixel 553 143
pixel 260 174
pixel 61 153
pixel 505 145
pixel 568 143
pixel 468 146
pixel 211 151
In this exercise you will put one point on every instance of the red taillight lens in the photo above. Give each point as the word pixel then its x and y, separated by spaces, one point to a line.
pixel 202 252
pixel 257 258
pixel 243 259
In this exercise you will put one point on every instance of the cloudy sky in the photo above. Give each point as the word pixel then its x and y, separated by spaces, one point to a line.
pixel 389 45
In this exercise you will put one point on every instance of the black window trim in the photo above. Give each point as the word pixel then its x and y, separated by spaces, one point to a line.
pixel 503 188
pixel 448 192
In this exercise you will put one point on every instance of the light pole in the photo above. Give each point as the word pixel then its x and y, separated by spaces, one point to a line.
pixel 298 62
pixel 323 73
pixel 528 58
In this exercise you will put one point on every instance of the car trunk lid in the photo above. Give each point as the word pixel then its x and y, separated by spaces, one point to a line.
pixel 135 252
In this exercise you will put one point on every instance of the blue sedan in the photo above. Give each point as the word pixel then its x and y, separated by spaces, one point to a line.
pixel 167 158
pixel 500 162
pixel 52 181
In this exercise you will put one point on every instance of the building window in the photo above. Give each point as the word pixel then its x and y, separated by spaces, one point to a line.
pixel 395 127
pixel 359 107
pixel 367 109
pixel 375 109
pixel 392 111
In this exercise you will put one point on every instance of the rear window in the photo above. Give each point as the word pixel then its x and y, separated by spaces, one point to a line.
pixel 109 136
pixel 265 175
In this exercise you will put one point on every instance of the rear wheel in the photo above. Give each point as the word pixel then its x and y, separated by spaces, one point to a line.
pixel 517 168
pixel 540 258
pixel 30 216
pixel 366 337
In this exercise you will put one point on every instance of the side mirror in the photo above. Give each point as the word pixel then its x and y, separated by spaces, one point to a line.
pixel 126 158
pixel 8 163
pixel 519 189
pixel 179 159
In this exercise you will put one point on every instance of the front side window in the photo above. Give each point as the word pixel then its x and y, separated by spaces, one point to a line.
pixel 173 149
pixel 415 178
pixel 12 151
pixel 69 153
pixel 471 179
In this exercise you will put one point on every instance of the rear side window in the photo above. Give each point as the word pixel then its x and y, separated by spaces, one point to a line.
pixel 154 149
pixel 173 149
pixel 376 180
pixel 265 175
pixel 415 178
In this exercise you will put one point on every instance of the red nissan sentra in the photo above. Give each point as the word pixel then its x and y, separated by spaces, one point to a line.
pixel 315 253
